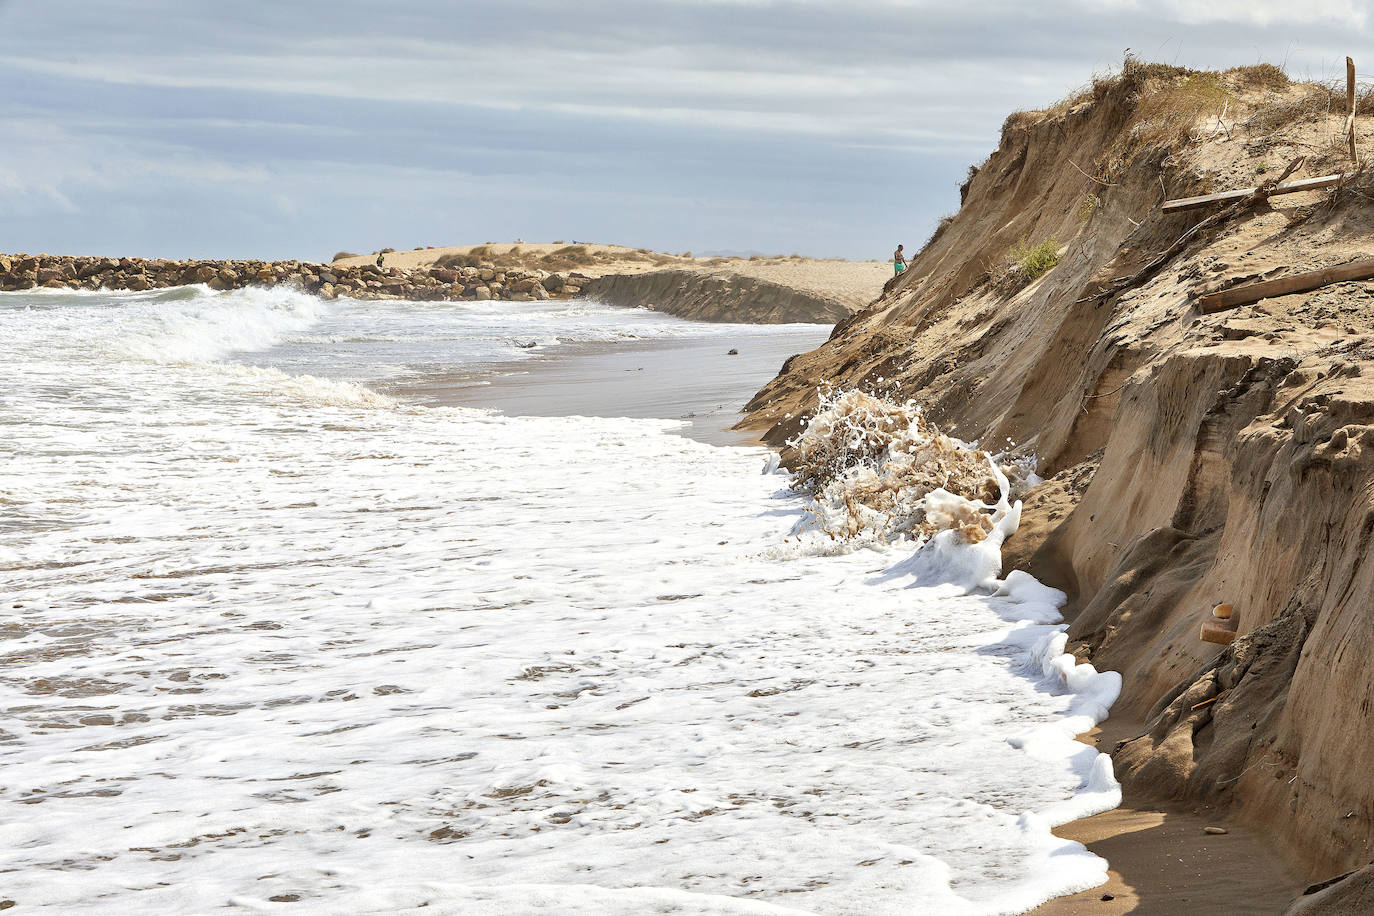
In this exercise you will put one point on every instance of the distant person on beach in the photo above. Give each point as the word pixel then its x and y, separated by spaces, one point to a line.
pixel 898 261
pixel 380 258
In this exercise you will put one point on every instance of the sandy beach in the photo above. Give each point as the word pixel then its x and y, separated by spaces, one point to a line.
pixel 1164 862
pixel 855 283
pixel 704 382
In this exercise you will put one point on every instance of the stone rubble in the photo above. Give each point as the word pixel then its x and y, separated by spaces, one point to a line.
pixel 329 281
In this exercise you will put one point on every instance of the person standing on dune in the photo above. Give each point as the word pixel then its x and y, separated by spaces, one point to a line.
pixel 898 261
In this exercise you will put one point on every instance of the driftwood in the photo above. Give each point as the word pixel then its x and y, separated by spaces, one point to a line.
pixel 1156 264
pixel 1362 269
pixel 1292 187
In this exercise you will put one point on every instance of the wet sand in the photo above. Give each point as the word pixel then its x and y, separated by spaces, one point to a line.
pixel 1163 862
pixel 695 380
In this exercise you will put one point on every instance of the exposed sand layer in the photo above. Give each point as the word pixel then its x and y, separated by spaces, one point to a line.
pixel 716 296
pixel 836 286
pixel 1192 459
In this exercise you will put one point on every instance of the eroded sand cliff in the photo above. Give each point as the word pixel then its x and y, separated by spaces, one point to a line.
pixel 1191 459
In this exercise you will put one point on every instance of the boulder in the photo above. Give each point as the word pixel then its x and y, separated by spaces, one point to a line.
pixel 570 290
pixel 329 278
pixel 228 277
pixel 46 275
pixel 327 291
pixel 554 282
pixel 486 274
pixel 483 293
pixel 5 264
pixel 521 297
pixel 139 283
pixel 97 266
pixel 26 265
pixel 444 274
pixel 539 292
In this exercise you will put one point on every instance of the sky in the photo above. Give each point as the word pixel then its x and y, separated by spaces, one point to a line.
pixel 298 128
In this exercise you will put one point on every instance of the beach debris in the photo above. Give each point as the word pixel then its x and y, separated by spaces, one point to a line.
pixel 732 352
pixel 1106 897
pixel 1215 831
pixel 1222 611
pixel 1156 264
pixel 1290 187
pixel 1221 632
pixel 1362 269
pixel 877 468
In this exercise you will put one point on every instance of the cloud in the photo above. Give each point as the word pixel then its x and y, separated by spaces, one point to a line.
pixel 680 120
pixel 1352 13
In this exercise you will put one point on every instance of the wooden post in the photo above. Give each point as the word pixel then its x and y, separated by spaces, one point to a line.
pixel 1350 106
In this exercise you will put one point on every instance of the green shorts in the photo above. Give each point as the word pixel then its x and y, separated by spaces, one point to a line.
pixel 898 267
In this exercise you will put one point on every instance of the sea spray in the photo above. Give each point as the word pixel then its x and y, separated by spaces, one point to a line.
pixel 878 469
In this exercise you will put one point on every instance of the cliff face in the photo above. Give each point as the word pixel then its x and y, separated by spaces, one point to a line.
pixel 1192 459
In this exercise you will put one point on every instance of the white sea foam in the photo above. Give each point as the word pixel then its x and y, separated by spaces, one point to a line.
pixel 269 637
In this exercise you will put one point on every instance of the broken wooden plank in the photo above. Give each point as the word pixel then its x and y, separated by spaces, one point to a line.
pixel 1362 269
pixel 1291 187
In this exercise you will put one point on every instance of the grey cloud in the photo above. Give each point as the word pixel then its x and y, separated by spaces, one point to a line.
pixel 818 127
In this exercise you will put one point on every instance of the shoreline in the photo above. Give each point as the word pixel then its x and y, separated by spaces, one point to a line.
pixel 697 381
pixel 1160 860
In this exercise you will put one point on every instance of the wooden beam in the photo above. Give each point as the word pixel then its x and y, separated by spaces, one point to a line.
pixel 1362 269
pixel 1291 187
pixel 1350 106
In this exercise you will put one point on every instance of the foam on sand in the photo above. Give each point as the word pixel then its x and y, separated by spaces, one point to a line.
pixel 270 643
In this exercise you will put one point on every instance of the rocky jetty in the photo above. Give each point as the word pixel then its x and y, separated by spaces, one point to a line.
pixel 329 281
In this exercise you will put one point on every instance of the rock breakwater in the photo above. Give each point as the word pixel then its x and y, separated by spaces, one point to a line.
pixel 472 284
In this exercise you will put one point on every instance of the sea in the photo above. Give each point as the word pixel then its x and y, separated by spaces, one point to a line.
pixel 381 607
